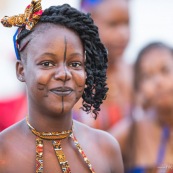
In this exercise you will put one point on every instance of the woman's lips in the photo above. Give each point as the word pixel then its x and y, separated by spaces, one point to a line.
pixel 61 91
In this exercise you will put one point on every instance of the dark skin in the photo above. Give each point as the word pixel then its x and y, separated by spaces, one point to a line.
pixel 112 19
pixel 156 90
pixel 53 62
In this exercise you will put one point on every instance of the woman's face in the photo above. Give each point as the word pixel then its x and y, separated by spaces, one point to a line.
pixel 156 78
pixel 112 19
pixel 54 70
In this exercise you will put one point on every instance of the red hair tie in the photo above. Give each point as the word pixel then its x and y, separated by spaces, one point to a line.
pixel 30 17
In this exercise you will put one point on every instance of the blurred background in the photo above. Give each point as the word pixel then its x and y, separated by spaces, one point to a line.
pixel 150 21
pixel 12 92
pixel 145 114
pixel 9 86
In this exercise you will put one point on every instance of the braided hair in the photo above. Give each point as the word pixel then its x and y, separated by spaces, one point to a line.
pixel 96 54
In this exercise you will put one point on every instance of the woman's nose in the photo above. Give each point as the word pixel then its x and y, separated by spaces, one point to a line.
pixel 159 80
pixel 62 73
pixel 124 33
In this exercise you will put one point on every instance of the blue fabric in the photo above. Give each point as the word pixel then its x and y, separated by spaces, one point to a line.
pixel 15 44
pixel 162 147
pixel 136 170
pixel 160 156
pixel 87 4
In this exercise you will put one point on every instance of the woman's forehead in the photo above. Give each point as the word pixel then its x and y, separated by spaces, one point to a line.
pixel 156 57
pixel 58 34
pixel 54 40
pixel 46 28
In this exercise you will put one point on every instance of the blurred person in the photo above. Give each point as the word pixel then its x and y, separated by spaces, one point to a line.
pixel 59 64
pixel 112 19
pixel 146 139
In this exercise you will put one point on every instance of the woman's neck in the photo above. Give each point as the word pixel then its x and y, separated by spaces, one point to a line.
pixel 165 117
pixel 50 123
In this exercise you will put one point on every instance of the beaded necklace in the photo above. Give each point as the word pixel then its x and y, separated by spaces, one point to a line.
pixel 56 138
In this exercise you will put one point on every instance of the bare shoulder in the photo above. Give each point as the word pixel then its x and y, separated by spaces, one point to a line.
pixel 10 131
pixel 8 136
pixel 8 139
pixel 99 136
pixel 107 145
pixel 121 130
pixel 3 149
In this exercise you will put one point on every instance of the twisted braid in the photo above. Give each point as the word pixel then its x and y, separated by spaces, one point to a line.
pixel 96 54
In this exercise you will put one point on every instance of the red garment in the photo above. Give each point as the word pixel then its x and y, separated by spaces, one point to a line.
pixel 11 111
pixel 108 116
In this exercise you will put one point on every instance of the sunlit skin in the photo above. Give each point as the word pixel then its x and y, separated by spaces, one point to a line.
pixel 156 95
pixel 52 67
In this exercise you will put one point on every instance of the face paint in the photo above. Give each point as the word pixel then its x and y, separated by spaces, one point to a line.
pixel 55 63
pixel 40 86
pixel 65 54
pixel 65 70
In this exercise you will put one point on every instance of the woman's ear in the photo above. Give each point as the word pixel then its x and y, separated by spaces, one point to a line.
pixel 20 71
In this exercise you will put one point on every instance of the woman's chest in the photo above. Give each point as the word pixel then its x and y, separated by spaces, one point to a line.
pixel 25 159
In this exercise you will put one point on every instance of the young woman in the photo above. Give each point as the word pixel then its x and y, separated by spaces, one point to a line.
pixel 112 19
pixel 60 58
pixel 146 141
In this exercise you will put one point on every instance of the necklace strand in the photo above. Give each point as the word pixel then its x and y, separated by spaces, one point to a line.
pixel 56 138
pixel 50 135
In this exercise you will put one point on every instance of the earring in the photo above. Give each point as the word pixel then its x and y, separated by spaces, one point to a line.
pixel 21 78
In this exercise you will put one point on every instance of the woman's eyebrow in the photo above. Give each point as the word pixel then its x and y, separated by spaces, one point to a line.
pixel 48 54
pixel 77 54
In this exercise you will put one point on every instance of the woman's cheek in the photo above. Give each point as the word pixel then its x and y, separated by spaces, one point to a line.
pixel 148 91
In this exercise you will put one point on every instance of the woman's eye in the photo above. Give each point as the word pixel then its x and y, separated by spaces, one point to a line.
pixel 75 64
pixel 113 23
pixel 47 64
